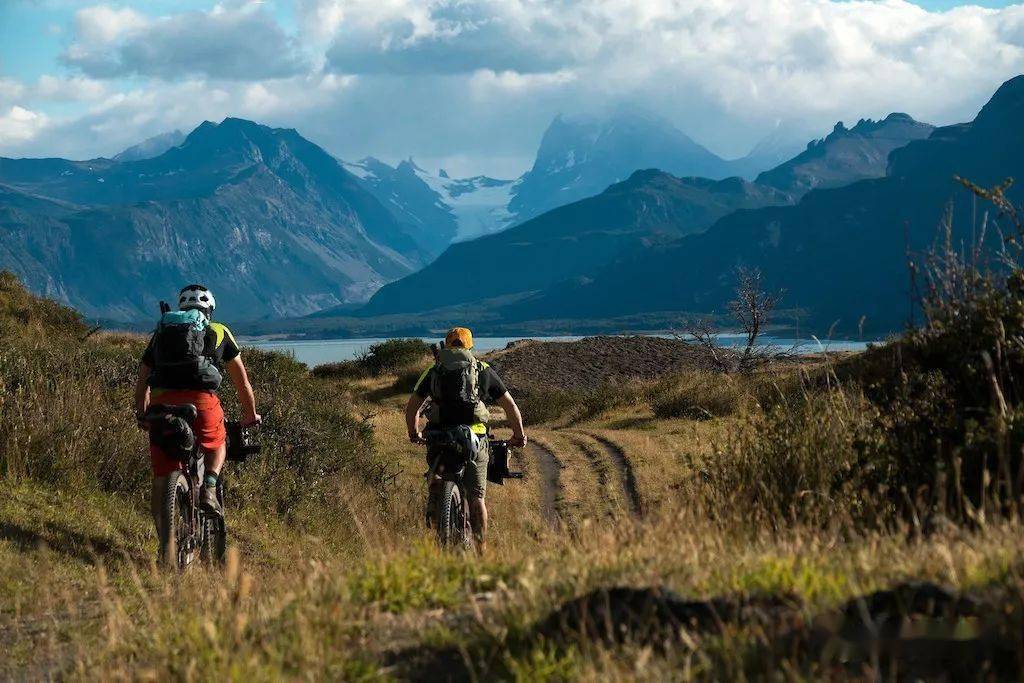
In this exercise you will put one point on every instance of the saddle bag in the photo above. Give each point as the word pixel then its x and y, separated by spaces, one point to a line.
pixel 170 432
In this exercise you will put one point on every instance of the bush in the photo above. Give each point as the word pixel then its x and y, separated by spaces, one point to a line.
pixel 390 357
pixel 812 462
pixel 310 440
pixel 539 407
pixel 696 396
pixel 573 405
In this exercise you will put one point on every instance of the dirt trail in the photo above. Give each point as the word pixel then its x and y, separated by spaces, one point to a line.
pixel 549 468
pixel 625 470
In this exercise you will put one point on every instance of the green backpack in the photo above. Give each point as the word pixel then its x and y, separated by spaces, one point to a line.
pixel 455 389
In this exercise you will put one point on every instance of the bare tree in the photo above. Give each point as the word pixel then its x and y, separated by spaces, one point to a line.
pixel 702 331
pixel 752 308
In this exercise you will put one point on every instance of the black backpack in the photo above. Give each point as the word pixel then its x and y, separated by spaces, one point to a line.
pixel 179 343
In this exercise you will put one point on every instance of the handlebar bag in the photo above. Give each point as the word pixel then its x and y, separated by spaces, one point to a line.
pixel 497 465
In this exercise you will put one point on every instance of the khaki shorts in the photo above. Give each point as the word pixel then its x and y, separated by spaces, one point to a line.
pixel 474 478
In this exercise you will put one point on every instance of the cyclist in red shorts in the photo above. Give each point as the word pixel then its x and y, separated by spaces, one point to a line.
pixel 168 376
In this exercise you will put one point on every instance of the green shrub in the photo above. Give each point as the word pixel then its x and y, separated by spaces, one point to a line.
pixel 607 397
pixel 342 370
pixel 394 355
pixel 406 380
pixel 813 462
pixel 310 440
pixel 390 357
pixel 539 407
pixel 550 405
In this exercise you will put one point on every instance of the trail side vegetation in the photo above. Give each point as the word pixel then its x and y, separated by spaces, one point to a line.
pixel 838 516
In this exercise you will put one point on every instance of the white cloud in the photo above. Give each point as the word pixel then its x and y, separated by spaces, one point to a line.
pixel 61 89
pixel 19 124
pixel 485 82
pixel 482 78
pixel 238 42
pixel 104 24
pixel 10 89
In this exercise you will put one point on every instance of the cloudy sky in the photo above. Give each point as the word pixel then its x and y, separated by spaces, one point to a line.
pixel 471 84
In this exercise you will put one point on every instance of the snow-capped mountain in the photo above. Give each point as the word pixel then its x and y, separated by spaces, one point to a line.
pixel 577 158
pixel 442 209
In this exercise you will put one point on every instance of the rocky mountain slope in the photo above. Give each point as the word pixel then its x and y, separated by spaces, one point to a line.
pixel 839 254
pixel 846 155
pixel 579 158
pixel 442 209
pixel 268 219
pixel 151 147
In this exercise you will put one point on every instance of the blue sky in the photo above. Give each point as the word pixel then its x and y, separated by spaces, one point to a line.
pixel 472 84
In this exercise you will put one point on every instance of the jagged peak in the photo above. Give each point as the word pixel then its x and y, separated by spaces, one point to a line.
pixel 1006 106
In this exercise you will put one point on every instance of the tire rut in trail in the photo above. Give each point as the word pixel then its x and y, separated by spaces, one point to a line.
pixel 598 464
pixel 549 468
pixel 625 470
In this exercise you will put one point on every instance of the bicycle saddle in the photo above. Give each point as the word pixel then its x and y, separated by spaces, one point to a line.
pixel 185 411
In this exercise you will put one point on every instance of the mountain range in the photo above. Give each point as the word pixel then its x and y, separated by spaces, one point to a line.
pixel 578 157
pixel 565 250
pixel 839 254
pixel 616 216
pixel 261 215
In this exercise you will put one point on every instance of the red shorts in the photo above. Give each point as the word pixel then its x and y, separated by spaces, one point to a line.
pixel 209 425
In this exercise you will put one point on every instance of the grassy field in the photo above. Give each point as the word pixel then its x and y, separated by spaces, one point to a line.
pixel 768 501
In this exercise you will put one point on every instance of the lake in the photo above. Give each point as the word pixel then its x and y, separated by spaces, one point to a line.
pixel 314 352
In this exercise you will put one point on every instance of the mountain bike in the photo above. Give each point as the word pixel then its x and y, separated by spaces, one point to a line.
pixel 186 531
pixel 448 451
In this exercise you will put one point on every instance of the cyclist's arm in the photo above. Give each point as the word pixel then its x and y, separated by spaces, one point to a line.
pixel 412 416
pixel 240 378
pixel 142 389
pixel 514 418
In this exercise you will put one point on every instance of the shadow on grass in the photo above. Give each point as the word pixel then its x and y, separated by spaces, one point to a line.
pixel 73 544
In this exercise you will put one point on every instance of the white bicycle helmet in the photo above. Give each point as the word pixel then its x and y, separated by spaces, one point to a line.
pixel 198 297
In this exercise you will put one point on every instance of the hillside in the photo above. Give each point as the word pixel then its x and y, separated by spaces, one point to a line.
pixel 574 241
pixel 266 218
pixel 839 254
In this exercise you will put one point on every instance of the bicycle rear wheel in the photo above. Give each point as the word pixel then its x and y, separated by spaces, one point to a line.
pixel 453 518
pixel 176 546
